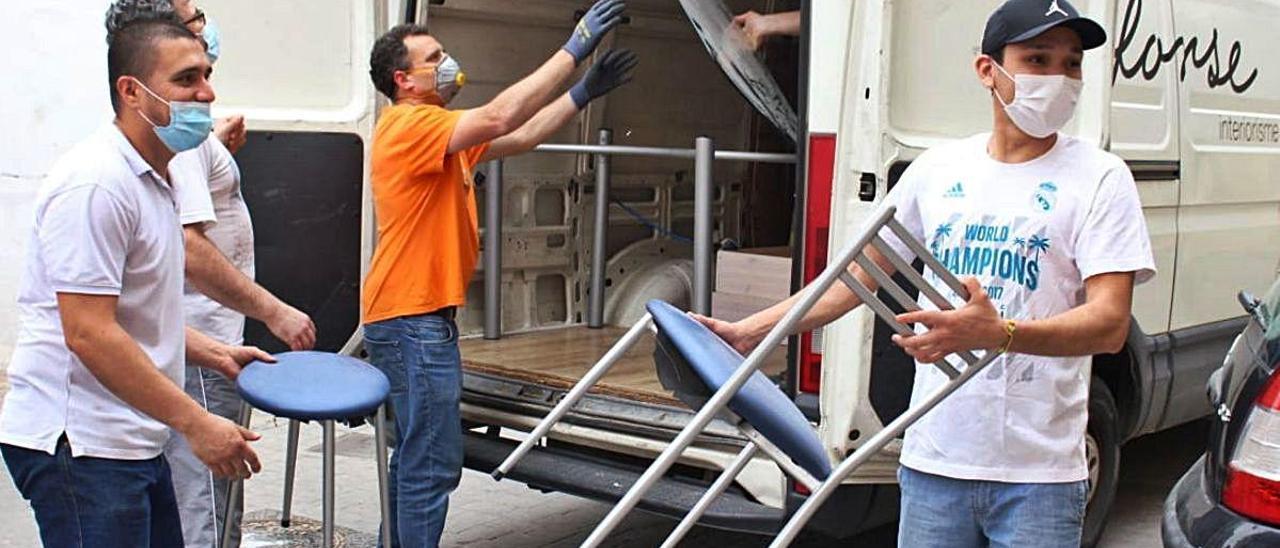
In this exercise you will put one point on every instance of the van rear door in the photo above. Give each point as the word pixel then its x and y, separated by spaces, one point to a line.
pixel 297 71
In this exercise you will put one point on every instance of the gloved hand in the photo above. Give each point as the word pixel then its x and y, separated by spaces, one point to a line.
pixel 612 70
pixel 597 22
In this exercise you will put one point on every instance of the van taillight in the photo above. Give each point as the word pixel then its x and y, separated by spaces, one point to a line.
pixel 817 228
pixel 1252 488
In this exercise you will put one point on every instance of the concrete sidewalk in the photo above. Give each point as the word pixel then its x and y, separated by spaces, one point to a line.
pixel 484 513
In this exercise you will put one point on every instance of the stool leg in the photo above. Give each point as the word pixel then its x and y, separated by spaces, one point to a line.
pixel 290 466
pixel 380 446
pixel 235 487
pixel 328 483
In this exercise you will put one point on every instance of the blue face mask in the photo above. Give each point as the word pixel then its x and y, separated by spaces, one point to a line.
pixel 212 39
pixel 189 123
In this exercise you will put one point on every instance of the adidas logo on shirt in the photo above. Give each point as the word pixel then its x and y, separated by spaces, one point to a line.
pixel 956 191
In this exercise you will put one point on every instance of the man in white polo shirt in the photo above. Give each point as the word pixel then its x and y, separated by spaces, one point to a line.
pixel 97 370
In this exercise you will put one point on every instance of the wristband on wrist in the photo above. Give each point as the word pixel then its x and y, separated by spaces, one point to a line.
pixel 1010 327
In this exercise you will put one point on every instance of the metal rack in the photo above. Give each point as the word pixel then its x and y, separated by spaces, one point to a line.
pixel 704 156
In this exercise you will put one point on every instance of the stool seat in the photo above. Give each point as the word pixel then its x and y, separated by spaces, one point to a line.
pixel 759 402
pixel 313 385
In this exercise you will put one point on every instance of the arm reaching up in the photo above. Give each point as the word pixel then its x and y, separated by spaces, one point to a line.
pixel 516 105
pixel 613 69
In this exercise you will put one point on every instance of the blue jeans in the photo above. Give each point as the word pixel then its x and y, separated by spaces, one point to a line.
pixel 943 512
pixel 91 502
pixel 419 354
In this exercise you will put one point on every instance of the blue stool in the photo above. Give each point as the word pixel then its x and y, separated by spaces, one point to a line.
pixel 324 387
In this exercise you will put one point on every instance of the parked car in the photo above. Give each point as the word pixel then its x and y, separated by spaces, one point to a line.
pixel 1231 496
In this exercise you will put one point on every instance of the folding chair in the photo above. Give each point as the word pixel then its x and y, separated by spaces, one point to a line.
pixel 766 417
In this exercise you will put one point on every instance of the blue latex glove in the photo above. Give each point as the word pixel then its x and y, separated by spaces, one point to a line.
pixel 597 22
pixel 610 71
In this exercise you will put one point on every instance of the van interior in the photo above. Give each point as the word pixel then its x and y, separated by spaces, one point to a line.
pixel 679 93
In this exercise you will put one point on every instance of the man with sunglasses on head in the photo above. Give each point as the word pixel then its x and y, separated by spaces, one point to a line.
pixel 423 157
pixel 1048 233
pixel 97 371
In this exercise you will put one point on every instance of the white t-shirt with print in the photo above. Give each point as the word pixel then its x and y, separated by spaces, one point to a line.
pixel 207 181
pixel 1031 233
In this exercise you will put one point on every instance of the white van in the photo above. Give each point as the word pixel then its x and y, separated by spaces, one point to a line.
pixel 1187 96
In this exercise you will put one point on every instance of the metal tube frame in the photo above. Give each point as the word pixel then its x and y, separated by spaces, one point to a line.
pixel 290 468
pixel 717 488
pixel 493 252
pixel 575 394
pixel 704 194
pixel 674 153
pixel 837 270
pixel 659 467
pixel 600 238
pixel 603 151
pixel 330 456
pixel 235 487
pixel 869 449
pixel 384 483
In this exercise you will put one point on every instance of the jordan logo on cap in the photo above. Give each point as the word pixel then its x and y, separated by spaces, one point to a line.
pixel 1055 8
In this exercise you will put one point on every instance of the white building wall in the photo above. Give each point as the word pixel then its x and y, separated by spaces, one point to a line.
pixel 53 93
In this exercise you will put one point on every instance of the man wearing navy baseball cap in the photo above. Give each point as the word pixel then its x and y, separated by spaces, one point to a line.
pixel 1002 462
pixel 1047 233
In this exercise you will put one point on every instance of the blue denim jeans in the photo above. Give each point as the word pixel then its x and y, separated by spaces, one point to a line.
pixel 420 356
pixel 91 502
pixel 943 512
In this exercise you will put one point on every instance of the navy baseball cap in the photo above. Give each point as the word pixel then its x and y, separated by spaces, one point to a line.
pixel 1019 20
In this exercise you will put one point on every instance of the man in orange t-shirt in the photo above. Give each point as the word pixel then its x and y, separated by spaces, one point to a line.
pixel 424 198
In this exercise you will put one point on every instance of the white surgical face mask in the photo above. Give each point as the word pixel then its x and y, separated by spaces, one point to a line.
pixel 1041 105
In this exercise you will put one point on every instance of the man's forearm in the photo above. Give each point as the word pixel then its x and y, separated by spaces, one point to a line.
pixel 525 98
pixel 836 302
pixel 217 278
pixel 1082 331
pixel 537 130
pixel 784 24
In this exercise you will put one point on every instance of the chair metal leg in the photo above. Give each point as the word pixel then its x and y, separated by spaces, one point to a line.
pixel 328 483
pixel 235 487
pixel 290 466
pixel 869 449
pixel 576 393
pixel 380 452
pixel 721 483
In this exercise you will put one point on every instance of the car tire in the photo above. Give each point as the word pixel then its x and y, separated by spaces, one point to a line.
pixel 1103 431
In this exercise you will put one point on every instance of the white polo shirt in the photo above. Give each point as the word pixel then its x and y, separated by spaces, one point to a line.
pixel 106 224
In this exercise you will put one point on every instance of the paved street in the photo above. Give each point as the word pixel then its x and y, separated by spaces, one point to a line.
pixel 489 514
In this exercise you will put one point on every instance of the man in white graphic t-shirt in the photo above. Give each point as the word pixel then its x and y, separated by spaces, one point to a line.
pixel 1048 235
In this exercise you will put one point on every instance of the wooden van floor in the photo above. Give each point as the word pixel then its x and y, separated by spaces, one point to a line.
pixel 559 357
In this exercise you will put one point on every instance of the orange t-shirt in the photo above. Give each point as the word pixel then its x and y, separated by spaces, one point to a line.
pixel 424 200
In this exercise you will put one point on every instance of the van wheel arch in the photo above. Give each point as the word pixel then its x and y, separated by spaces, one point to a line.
pixel 1118 372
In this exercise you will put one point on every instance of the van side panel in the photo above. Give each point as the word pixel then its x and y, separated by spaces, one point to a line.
pixel 1144 131
pixel 1227 220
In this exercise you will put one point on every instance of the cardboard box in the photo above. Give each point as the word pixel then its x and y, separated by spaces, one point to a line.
pixel 763 272
pixel 732 307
